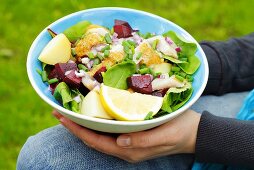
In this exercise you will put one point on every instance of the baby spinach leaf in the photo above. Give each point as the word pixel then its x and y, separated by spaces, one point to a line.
pixel 173 60
pixel 176 97
pixel 63 94
pixel 75 32
pixel 185 97
pixel 188 50
pixel 117 75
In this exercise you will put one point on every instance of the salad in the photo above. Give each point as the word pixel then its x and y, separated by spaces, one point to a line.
pixel 118 73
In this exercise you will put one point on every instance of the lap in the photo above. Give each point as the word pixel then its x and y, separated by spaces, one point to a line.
pixel 56 148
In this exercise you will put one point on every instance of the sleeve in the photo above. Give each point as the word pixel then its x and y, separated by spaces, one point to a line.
pixel 231 65
pixel 225 140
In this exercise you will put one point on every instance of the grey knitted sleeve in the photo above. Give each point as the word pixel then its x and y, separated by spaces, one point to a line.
pixel 225 140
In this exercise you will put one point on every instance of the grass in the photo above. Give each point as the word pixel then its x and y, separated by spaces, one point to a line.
pixel 23 113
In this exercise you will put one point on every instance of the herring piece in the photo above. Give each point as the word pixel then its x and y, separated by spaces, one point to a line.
pixel 164 83
pixel 163 46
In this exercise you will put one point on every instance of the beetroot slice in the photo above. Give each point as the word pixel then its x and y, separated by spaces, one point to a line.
pixel 121 22
pixel 160 93
pixel 72 80
pixel 62 68
pixel 98 74
pixel 122 31
pixel 141 84
pixel 53 74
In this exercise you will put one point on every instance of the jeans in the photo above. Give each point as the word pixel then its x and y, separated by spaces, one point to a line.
pixel 57 148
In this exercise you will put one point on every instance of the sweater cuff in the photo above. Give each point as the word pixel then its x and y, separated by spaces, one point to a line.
pixel 225 140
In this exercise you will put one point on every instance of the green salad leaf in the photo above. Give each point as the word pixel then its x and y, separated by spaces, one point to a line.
pixel 176 97
pixel 76 31
pixel 188 50
pixel 117 75
pixel 173 60
pixel 64 94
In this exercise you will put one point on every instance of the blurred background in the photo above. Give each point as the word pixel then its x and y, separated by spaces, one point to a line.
pixel 23 113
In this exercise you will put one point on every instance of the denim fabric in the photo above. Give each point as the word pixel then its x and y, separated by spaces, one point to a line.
pixel 56 148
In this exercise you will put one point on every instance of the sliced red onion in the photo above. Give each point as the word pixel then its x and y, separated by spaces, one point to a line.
pixel 70 61
pixel 91 62
pixel 178 49
pixel 99 47
pixel 169 41
pixel 77 98
pixel 137 38
pixel 81 73
pixel 85 60
pixel 89 66
pixel 67 72
pixel 136 75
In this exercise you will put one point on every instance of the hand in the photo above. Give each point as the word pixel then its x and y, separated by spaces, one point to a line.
pixel 176 136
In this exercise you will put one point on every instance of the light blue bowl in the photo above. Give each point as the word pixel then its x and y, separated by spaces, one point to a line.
pixel 143 21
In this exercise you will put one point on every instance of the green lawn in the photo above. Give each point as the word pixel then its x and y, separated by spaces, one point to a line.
pixel 23 113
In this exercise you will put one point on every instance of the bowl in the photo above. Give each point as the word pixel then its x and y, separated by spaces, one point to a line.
pixel 145 22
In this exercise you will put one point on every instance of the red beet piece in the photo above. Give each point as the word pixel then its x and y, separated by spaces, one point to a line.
pixel 121 22
pixel 53 74
pixel 160 93
pixel 72 80
pixel 122 31
pixel 98 75
pixel 53 87
pixel 61 68
pixel 141 84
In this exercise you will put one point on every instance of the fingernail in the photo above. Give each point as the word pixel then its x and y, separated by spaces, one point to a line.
pixel 123 141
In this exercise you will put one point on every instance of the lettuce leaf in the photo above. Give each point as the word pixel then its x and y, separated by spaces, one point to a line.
pixel 63 94
pixel 188 50
pixel 76 31
pixel 176 97
pixel 117 75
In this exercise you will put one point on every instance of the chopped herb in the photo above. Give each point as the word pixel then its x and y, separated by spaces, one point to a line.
pixel 180 78
pixel 100 56
pixel 82 67
pixel 175 69
pixel 73 52
pixel 144 71
pixel 107 47
pixel 183 59
pixel 139 56
pixel 51 81
pixel 91 55
pixel 182 74
pixel 106 53
pixel 44 76
pixel 96 61
pixel 147 35
pixel 189 78
pixel 131 43
pixel 108 38
pixel 38 71
pixel 153 73
pixel 170 73
pixel 155 42
pixel 149 116
pixel 112 31
pixel 142 66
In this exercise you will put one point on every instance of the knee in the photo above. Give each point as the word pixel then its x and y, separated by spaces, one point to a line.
pixel 40 150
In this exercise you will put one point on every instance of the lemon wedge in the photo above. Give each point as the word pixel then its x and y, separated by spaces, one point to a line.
pixel 58 50
pixel 124 105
